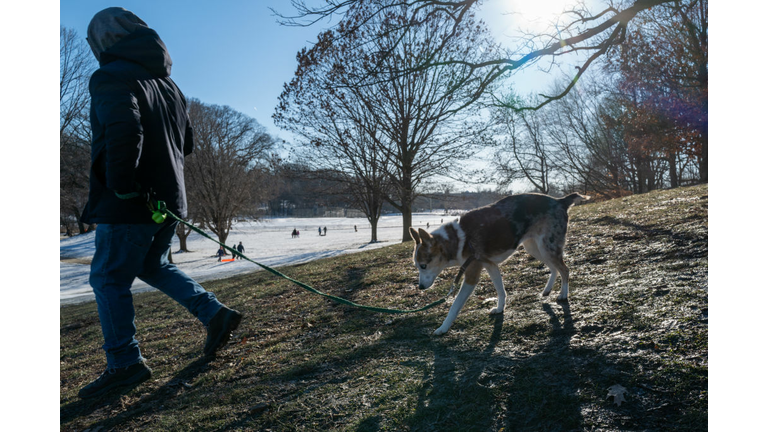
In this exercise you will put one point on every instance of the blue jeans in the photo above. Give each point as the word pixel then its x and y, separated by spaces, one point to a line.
pixel 123 253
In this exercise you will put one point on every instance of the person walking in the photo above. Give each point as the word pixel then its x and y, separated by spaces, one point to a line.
pixel 241 249
pixel 325 231
pixel 319 231
pixel 220 253
pixel 140 135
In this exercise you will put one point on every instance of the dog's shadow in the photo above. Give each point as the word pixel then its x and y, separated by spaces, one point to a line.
pixel 457 384
pixel 494 389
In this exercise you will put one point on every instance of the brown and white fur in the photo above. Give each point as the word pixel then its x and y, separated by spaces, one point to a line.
pixel 492 234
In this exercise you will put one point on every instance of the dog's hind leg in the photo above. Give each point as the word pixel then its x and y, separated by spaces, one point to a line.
pixel 495 274
pixel 471 277
pixel 532 248
pixel 564 274
pixel 552 254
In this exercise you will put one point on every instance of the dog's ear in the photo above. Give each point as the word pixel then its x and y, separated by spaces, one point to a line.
pixel 414 235
pixel 425 236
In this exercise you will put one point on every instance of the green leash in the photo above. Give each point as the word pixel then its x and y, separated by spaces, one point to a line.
pixel 159 215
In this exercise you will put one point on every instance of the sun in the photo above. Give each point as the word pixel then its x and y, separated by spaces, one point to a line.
pixel 536 15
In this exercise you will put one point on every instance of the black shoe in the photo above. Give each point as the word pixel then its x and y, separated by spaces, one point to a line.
pixel 115 378
pixel 222 324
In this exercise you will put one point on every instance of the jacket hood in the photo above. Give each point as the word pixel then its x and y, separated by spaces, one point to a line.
pixel 118 34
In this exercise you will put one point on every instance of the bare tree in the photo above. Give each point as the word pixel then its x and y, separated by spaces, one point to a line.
pixel 588 147
pixel 581 31
pixel 224 173
pixel 76 63
pixel 344 153
pixel 368 179
pixel 413 118
pixel 525 154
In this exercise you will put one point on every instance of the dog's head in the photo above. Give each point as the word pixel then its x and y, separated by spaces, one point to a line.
pixel 428 257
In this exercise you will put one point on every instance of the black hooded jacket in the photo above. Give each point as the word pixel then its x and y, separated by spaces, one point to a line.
pixel 141 131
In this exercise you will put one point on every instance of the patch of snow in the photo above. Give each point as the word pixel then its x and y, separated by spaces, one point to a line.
pixel 266 241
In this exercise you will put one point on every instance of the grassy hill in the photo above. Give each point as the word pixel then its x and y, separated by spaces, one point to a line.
pixel 637 317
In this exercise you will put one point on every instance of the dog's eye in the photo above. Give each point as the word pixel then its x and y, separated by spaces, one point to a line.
pixel 423 266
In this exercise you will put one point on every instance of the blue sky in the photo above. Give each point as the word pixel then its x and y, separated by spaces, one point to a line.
pixel 228 53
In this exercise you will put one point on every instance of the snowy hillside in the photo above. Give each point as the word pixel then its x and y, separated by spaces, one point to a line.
pixel 267 242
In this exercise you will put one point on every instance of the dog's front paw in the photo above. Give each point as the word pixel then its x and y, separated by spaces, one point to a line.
pixel 495 311
pixel 440 331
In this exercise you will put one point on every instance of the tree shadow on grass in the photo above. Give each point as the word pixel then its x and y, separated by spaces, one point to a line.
pixel 147 403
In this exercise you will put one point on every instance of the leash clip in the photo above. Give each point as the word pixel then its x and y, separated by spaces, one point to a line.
pixel 158 209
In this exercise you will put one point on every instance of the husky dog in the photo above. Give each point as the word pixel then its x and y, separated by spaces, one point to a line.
pixel 487 236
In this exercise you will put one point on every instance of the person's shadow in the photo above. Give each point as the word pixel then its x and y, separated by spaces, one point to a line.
pixel 84 407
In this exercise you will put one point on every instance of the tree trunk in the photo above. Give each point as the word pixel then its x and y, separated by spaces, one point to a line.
pixel 80 225
pixel 673 177
pixel 407 222
pixel 704 161
pixel 374 225
pixel 182 234
pixel 223 239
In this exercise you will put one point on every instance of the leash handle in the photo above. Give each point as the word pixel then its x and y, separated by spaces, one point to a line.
pixel 158 208
pixel 159 214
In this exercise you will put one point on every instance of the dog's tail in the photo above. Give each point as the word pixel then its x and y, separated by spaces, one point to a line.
pixel 572 199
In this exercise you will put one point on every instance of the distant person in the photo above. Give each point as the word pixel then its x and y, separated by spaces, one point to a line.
pixel 427 225
pixel 220 253
pixel 298 233
pixel 441 221
pixel 293 233
pixel 241 249
pixel 319 231
pixel 355 228
pixel 325 231
pixel 141 133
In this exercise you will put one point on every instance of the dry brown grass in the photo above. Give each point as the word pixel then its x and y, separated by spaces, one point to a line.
pixel 637 317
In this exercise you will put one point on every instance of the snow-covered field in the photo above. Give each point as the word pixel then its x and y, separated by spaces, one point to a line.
pixel 268 242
